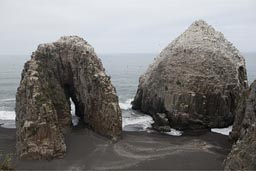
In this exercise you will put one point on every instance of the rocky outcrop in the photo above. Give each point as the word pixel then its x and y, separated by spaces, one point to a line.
pixel 243 153
pixel 67 68
pixel 161 122
pixel 196 81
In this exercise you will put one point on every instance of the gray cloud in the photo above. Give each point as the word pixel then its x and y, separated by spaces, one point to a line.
pixel 121 26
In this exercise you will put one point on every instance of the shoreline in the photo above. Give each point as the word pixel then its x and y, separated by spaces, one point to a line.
pixel 136 150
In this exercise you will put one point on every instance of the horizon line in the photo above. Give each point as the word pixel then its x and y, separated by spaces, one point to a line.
pixel 116 53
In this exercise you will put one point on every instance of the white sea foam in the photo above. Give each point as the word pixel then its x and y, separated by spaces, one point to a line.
pixel 141 121
pixel 7 115
pixel 174 132
pixel 138 121
pixel 134 121
pixel 224 131
pixel 72 108
pixel 126 105
pixel 75 119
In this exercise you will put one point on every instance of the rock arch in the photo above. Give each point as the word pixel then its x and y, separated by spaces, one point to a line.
pixel 56 72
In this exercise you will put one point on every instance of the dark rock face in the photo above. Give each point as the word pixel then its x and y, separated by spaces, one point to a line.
pixel 243 153
pixel 68 68
pixel 196 80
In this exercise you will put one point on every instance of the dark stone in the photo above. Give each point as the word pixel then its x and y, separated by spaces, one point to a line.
pixel 243 153
pixel 161 122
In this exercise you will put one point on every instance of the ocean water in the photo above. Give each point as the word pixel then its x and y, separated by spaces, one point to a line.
pixel 124 70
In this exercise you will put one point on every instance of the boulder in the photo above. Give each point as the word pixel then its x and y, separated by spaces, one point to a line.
pixel 243 153
pixel 57 72
pixel 196 80
pixel 161 123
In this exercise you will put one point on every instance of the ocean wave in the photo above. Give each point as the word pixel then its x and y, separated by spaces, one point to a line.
pixel 74 118
pixel 7 115
pixel 7 100
pixel 142 121
pixel 126 105
pixel 7 124
pixel 223 131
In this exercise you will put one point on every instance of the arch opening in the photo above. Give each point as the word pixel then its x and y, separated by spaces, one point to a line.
pixel 76 107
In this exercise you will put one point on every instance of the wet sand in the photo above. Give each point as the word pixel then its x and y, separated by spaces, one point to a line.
pixel 136 150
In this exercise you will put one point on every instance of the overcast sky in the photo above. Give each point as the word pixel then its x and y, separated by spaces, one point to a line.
pixel 121 26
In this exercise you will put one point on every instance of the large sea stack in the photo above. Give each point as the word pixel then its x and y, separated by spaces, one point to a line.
pixel 56 72
pixel 243 153
pixel 194 83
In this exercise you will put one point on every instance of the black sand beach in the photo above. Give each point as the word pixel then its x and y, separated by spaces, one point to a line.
pixel 136 150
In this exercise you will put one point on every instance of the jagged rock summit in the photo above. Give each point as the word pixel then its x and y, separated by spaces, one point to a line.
pixel 243 153
pixel 194 83
pixel 56 72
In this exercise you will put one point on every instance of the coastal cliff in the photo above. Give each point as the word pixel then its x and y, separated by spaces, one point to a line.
pixel 57 72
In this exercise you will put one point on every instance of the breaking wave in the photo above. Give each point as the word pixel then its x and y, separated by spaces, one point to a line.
pixel 126 105
pixel 137 122
pixel 7 115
